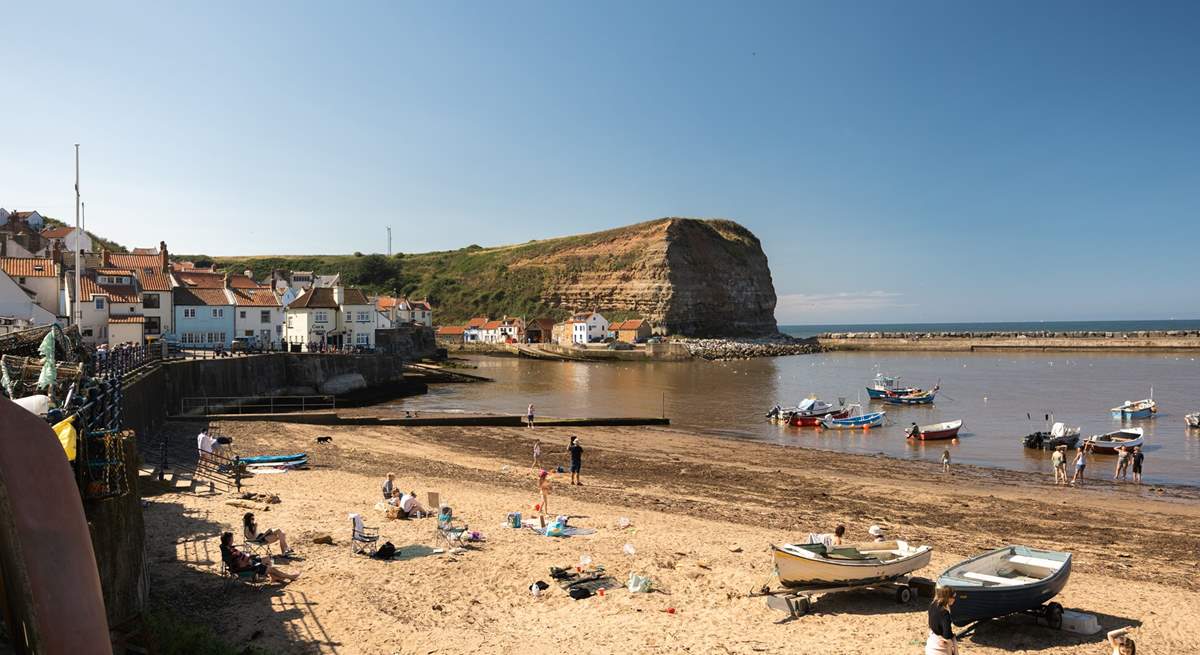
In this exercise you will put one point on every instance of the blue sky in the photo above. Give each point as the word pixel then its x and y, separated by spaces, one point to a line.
pixel 901 161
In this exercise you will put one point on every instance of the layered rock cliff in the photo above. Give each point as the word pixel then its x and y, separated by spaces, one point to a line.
pixel 692 277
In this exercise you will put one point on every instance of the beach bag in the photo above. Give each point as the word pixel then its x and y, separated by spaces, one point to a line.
pixel 514 520
pixel 579 593
pixel 386 551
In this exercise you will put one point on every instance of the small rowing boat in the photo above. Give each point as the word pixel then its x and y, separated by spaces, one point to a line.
pixel 1005 581
pixel 883 385
pixel 803 565
pixel 1128 437
pixel 944 430
pixel 1059 435
pixel 918 398
pixel 1135 409
pixel 857 420
pixel 273 459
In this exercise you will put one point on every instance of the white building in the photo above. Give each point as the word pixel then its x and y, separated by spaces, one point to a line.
pixel 258 313
pixel 19 308
pixel 38 277
pixel 356 318
pixel 403 310
pixel 107 296
pixel 70 239
pixel 335 317
pixel 587 327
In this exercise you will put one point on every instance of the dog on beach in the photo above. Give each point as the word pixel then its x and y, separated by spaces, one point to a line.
pixel 325 439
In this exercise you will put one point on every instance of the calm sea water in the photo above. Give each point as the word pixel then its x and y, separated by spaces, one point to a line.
pixel 1054 326
pixel 992 394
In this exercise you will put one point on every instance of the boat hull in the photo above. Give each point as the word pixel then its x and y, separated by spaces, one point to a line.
pixel 1046 441
pixel 273 459
pixel 939 431
pixel 865 421
pixel 976 602
pixel 909 400
pixel 1135 410
pixel 880 394
pixel 814 420
pixel 1192 420
pixel 797 570
pixel 1109 443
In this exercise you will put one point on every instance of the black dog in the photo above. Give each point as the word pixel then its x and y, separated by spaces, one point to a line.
pixel 325 439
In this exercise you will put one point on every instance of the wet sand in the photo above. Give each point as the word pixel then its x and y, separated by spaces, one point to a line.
pixel 703 512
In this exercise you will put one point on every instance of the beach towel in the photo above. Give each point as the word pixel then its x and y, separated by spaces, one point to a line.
pixel 565 531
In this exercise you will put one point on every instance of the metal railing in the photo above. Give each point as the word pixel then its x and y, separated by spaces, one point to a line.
pixel 206 405
pixel 123 360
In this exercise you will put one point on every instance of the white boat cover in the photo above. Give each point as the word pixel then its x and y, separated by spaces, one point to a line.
pixel 806 404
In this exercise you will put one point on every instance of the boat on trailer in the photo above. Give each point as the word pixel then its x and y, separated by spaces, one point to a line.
pixel 936 431
pixel 857 420
pixel 883 385
pixel 1130 409
pixel 1060 434
pixel 1128 437
pixel 815 565
pixel 1009 580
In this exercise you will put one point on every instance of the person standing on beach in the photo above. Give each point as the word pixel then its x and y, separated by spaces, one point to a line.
pixel 537 454
pixel 544 490
pixel 1122 463
pixel 941 639
pixel 1059 461
pixel 946 459
pixel 1137 457
pixel 529 417
pixel 576 460
pixel 1080 464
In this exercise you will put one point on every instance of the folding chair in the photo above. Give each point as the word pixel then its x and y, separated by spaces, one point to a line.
pixel 362 539
pixel 449 531
pixel 248 576
pixel 255 545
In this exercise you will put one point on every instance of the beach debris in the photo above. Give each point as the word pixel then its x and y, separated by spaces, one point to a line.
pixel 326 539
pixel 538 587
pixel 735 549
pixel 639 584
pixel 629 550
pixel 270 499
pixel 584 560
pixel 623 522
pixel 437 607
pixel 504 469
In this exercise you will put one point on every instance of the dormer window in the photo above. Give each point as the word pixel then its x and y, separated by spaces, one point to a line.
pixel 38 268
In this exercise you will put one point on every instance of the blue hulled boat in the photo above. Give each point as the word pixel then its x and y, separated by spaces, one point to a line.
pixel 918 398
pixel 1007 581
pixel 884 385
pixel 859 420
pixel 1135 409
pixel 274 459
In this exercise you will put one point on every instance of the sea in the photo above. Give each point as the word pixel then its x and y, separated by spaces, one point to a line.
pixel 1000 396
pixel 803 331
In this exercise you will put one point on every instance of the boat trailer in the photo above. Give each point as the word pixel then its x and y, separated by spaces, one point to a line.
pixel 797 601
pixel 1051 613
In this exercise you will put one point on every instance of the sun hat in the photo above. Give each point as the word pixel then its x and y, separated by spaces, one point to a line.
pixel 875 531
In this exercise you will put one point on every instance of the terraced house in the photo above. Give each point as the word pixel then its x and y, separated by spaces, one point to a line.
pixel 258 315
pixel 153 272
pixel 110 305
pixel 203 317
pixel 336 317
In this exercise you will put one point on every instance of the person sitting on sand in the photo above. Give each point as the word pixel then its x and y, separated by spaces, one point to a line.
pixel 407 505
pixel 941 639
pixel 251 533
pixel 389 485
pixel 1121 642
pixel 237 562
pixel 544 490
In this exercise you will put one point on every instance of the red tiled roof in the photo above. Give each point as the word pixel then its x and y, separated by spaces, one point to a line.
pixel 144 251
pixel 318 298
pixel 214 280
pixel 28 267
pixel 478 321
pixel 354 297
pixel 57 232
pixel 128 318
pixel 88 287
pixel 451 330
pixel 255 298
pixel 186 296
pixel 491 325
pixel 114 271
pixel 147 268
pixel 386 302
pixel 631 324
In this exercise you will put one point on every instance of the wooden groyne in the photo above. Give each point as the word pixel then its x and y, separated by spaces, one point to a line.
pixel 1141 341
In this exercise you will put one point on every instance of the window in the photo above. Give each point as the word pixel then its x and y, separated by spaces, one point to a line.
pixel 87 332
pixel 152 325
pixel 289 321
pixel 20 280
pixel 218 313
pixel 242 314
pixel 362 339
pixel 278 329
pixel 189 312
pixel 100 302
pixel 264 316
pixel 150 300
pixel 363 317
pixel 321 317
pixel 249 333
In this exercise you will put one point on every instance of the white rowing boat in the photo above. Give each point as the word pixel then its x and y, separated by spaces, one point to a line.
pixel 805 565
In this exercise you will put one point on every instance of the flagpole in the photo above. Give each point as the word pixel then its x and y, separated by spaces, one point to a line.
pixel 78 308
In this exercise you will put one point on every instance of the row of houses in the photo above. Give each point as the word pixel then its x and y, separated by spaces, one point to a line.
pixel 579 328
pixel 142 295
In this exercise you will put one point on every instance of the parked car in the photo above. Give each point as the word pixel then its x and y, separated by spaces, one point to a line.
pixel 244 345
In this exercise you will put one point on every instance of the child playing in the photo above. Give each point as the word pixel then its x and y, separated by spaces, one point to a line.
pixel 946 460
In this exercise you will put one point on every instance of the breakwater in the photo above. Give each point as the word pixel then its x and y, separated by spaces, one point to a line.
pixel 723 349
pixel 1036 340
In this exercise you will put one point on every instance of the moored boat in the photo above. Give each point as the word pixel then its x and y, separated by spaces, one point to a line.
pixel 1128 437
pixel 1059 435
pixel 1192 420
pixel 813 420
pixel 944 430
pixel 805 565
pixel 810 411
pixel 858 420
pixel 918 398
pixel 883 385
pixel 1005 581
pixel 1135 409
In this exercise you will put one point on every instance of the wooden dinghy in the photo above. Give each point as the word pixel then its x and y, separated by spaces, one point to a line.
pixel 1128 437
pixel 945 430
pixel 816 565
pixel 1007 581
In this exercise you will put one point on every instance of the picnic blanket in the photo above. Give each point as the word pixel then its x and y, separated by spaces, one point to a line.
pixel 569 531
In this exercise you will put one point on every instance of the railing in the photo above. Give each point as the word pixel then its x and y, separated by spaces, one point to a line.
pixel 203 406
pixel 122 360
pixel 223 473
pixel 100 443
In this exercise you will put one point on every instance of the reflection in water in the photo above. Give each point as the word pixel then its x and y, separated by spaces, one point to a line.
pixel 1000 397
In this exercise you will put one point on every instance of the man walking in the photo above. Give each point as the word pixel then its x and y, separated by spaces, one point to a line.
pixel 576 460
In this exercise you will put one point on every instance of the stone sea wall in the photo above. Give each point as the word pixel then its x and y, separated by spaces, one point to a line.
pixel 1166 340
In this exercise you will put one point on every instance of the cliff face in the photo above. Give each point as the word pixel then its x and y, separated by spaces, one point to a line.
pixel 692 277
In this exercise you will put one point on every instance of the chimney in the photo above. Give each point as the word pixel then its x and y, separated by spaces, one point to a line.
pixel 105 260
pixel 339 294
pixel 250 274
pixel 226 279
pixel 162 256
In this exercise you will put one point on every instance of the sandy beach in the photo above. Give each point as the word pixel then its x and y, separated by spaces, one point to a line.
pixel 702 513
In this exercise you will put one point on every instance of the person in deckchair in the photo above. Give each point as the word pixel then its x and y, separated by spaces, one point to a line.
pixel 237 561
pixel 251 533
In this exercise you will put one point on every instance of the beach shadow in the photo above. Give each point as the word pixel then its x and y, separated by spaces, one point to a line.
pixel 1025 633
pixel 866 602
pixel 414 551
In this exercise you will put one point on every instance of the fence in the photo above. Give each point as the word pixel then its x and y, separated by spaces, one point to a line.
pixel 205 405
pixel 123 360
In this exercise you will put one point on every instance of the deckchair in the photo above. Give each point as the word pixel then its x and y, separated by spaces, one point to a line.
pixel 449 531
pixel 362 539
pixel 248 576
pixel 254 544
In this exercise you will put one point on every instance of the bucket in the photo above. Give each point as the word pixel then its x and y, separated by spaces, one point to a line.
pixel 514 519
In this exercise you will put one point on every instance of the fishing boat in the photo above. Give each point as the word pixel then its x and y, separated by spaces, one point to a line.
pixel 1058 435
pixel 944 430
pixel 805 565
pixel 1135 409
pixel 810 411
pixel 918 398
pixel 857 420
pixel 273 459
pixel 1007 581
pixel 1128 437
pixel 1192 420
pixel 883 385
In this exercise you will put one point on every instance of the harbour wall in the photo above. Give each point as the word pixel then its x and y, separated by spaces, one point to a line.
pixel 1011 341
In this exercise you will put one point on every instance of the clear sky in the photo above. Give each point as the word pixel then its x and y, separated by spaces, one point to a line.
pixel 901 161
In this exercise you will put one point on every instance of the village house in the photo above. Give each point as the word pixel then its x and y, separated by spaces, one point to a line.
pixel 309 319
pixel 155 281
pixel 472 330
pixel 403 310
pixel 19 306
pixel 511 330
pixel 356 318
pixel 203 317
pixel 540 330
pixel 450 333
pixel 258 315
pixel 110 306
pixel 587 327
pixel 38 277
pixel 634 330
pixel 68 239
pixel 490 332
pixel 21 234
